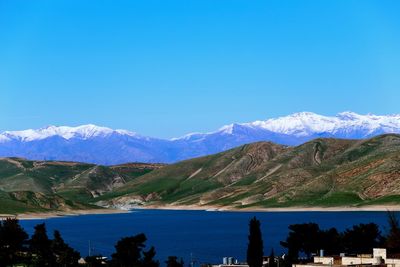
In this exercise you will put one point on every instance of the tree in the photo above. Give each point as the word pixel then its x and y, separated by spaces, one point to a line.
pixel 65 255
pixel 148 258
pixel 12 241
pixel 393 237
pixel 255 247
pixel 330 241
pixel 129 252
pixel 362 238
pixel 40 247
pixel 303 238
pixel 172 261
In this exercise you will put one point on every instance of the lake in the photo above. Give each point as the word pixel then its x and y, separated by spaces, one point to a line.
pixel 206 235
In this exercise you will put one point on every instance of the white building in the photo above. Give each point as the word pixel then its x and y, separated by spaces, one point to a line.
pixel 377 258
pixel 232 262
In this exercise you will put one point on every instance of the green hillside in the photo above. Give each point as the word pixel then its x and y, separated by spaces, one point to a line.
pixel 323 172
pixel 29 186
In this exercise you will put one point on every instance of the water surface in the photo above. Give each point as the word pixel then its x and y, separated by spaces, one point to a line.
pixel 207 235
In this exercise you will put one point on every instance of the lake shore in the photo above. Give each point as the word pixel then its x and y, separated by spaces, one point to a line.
pixel 280 209
pixel 55 214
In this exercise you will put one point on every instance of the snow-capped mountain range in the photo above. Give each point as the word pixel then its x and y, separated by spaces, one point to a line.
pixel 101 145
pixel 82 132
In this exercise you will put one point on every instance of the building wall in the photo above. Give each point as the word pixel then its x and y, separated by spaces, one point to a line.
pixel 323 260
pixel 307 265
pixel 356 260
pixel 379 252
pixel 394 262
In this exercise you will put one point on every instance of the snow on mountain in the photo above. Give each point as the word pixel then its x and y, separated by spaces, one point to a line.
pixel 66 132
pixel 310 124
pixel 4 138
pixel 95 144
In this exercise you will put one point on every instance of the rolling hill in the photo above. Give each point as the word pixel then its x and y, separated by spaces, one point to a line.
pixel 322 172
pixel 34 186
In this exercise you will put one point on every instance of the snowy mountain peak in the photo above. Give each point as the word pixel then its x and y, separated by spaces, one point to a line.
pixel 66 132
pixel 227 129
pixel 120 146
pixel 309 124
pixel 304 124
pixel 352 116
pixel 303 114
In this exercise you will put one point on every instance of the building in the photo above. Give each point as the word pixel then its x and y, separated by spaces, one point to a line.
pixel 377 258
pixel 232 262
pixel 231 265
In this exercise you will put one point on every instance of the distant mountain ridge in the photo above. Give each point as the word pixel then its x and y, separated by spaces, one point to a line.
pixel 82 132
pixel 102 145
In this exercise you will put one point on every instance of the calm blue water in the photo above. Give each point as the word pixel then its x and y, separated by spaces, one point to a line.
pixel 207 235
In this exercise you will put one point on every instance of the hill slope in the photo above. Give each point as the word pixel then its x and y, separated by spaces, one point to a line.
pixel 322 172
pixel 54 185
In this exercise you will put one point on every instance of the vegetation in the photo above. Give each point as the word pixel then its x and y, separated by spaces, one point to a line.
pixel 129 253
pixel 173 262
pixel 308 239
pixel 255 248
pixel 66 256
pixel 40 186
pixel 40 251
pixel 302 242
pixel 13 241
pixel 393 237
pixel 319 173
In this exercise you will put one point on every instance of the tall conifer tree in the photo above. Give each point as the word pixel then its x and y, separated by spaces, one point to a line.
pixel 255 249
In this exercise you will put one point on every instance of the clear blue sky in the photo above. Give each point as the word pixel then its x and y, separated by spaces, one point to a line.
pixel 165 68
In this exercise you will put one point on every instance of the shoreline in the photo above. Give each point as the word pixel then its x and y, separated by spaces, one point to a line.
pixel 59 214
pixel 278 209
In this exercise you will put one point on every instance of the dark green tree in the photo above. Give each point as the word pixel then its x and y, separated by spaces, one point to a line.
pixel 129 252
pixel 255 246
pixel 362 238
pixel 148 258
pixel 304 238
pixel 393 237
pixel 330 241
pixel 13 239
pixel 65 255
pixel 172 261
pixel 40 247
